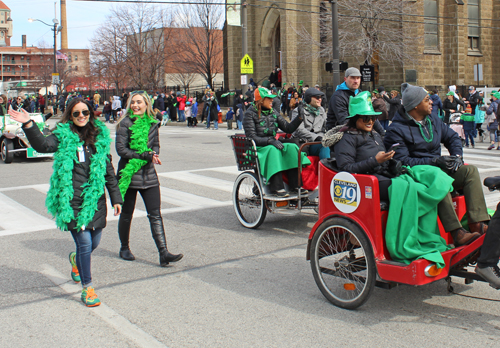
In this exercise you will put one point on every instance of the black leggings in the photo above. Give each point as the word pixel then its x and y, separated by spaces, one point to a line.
pixel 151 197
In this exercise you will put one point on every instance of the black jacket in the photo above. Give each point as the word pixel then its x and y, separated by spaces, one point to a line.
pixel 263 129
pixel 473 100
pixel 81 173
pixel 146 176
pixel 395 105
pixel 413 149
pixel 356 151
pixel 338 110
pixel 451 105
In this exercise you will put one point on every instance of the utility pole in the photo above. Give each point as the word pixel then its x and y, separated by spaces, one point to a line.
pixel 244 36
pixel 335 44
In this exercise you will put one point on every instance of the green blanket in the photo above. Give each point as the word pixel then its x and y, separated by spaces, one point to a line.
pixel 272 160
pixel 412 231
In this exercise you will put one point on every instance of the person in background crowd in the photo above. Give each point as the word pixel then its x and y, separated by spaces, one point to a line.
pixel 76 195
pixel 294 102
pixel 492 120
pixel 479 116
pixel 97 100
pixel 107 111
pixel 188 112
pixel 437 104
pixel 394 103
pixel 41 103
pixel 338 109
pixel 469 124
pixel 181 99
pixel 273 77
pixel 116 106
pixel 229 118
pixel 380 106
pixel 3 105
pixel 138 145
pixel 450 106
pixel 124 101
pixel 62 103
pixel 171 104
pixel 472 99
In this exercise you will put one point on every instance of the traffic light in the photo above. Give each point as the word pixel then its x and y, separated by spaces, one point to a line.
pixel 342 66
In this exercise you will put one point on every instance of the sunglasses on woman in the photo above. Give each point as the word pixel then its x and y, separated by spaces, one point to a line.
pixel 77 113
pixel 368 118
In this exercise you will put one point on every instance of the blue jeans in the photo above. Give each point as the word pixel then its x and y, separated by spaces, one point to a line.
pixel 86 241
pixel 182 116
pixel 384 123
pixel 319 150
pixel 469 134
pixel 240 124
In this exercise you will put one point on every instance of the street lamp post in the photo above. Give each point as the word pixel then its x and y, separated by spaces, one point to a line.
pixel 55 29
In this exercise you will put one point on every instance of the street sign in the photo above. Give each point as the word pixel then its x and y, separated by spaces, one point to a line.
pixel 55 78
pixel 244 80
pixel 246 65
pixel 367 73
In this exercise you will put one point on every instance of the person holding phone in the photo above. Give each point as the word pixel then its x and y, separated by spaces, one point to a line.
pixel 82 169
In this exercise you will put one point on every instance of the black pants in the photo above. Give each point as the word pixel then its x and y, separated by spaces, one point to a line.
pixel 490 251
pixel 276 181
pixel 151 198
pixel 383 187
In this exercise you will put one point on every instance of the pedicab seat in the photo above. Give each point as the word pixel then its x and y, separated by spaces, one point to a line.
pixel 492 183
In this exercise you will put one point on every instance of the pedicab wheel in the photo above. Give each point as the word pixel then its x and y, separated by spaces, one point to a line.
pixel 248 200
pixel 342 263
pixel 6 148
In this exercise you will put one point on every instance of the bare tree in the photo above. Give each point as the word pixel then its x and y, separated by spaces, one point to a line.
pixel 42 65
pixel 369 30
pixel 130 45
pixel 182 77
pixel 199 39
pixel 67 75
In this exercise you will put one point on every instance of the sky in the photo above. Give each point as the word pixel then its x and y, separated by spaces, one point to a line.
pixel 83 19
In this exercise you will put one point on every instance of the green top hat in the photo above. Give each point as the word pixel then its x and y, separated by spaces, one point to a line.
pixel 301 82
pixel 450 93
pixel 361 105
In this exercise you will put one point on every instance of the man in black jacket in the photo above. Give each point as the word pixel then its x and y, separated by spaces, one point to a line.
pixel 472 99
pixel 420 136
pixel 338 109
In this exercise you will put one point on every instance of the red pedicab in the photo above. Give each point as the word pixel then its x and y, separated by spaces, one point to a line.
pixel 347 248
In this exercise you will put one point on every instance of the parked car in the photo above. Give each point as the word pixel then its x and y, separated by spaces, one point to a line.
pixel 13 141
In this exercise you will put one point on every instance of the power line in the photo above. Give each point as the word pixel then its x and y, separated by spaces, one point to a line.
pixel 302 11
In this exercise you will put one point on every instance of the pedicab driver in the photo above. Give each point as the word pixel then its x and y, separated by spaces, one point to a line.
pixel 420 136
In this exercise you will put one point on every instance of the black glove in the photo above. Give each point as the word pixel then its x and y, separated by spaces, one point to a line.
pixel 448 164
pixel 318 138
pixel 394 167
pixel 278 144
pixel 147 156
pixel 300 110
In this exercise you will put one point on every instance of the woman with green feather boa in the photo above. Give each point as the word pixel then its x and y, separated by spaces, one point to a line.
pixel 138 145
pixel 82 168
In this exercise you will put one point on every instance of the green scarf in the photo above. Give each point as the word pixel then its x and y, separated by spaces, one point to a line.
pixel 312 110
pixel 61 182
pixel 138 142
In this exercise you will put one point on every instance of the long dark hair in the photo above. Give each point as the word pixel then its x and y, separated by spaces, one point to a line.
pixel 87 133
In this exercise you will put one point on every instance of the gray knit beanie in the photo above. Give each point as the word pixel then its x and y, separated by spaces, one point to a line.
pixel 412 95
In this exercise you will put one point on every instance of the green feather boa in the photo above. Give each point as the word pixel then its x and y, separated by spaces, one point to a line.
pixel 138 142
pixel 61 182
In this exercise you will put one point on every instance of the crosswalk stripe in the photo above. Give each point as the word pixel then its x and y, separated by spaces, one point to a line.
pixel 188 176
pixel 15 218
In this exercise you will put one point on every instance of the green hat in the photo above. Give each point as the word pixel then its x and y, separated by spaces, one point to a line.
pixel 301 82
pixel 450 93
pixel 361 105
pixel 496 95
pixel 375 91
pixel 261 93
pixel 266 84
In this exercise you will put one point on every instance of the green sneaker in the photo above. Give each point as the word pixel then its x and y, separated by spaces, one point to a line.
pixel 74 271
pixel 89 297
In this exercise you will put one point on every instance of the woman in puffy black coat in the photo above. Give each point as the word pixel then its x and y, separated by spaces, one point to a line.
pixel 261 124
pixel 137 144
pixel 82 168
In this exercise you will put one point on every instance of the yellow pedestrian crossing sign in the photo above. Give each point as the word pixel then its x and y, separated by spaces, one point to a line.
pixel 246 65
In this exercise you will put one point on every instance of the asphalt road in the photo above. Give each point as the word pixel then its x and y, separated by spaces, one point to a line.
pixel 235 287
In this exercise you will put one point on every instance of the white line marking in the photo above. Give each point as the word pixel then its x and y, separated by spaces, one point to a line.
pixel 118 322
pixel 201 180
pixel 15 218
pixel 184 199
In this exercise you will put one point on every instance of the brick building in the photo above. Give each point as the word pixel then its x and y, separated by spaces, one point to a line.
pixel 453 37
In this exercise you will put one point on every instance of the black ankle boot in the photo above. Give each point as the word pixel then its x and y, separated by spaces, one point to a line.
pixel 158 232
pixel 124 233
